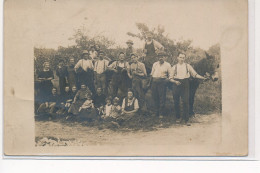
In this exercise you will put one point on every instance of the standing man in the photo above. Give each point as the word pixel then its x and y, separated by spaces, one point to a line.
pixel 100 68
pixel 129 50
pixel 119 78
pixel 84 70
pixel 181 72
pixel 62 73
pixel 161 72
pixel 151 48
pixel 137 73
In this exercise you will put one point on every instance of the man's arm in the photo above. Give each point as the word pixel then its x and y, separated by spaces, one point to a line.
pixel 157 45
pixel 193 73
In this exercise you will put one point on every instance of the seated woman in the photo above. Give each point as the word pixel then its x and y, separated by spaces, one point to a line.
pixel 50 105
pixel 79 99
pixel 130 106
pixel 87 111
pixel 99 99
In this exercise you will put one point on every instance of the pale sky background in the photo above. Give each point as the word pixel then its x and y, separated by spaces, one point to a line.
pixel 55 21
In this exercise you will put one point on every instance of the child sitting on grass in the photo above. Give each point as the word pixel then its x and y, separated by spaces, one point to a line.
pixel 87 111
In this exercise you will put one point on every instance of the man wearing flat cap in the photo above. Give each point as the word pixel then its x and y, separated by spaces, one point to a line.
pixel 84 70
pixel 151 47
pixel 161 73
pixel 129 50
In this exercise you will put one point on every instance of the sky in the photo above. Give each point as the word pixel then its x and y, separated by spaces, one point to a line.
pixel 56 21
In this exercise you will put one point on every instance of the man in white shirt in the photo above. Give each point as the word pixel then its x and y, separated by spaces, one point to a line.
pixel 180 74
pixel 151 47
pixel 100 68
pixel 84 70
pixel 160 76
pixel 119 78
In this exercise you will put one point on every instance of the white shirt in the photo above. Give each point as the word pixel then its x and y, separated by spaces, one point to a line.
pixel 130 102
pixel 161 70
pixel 84 64
pixel 108 110
pixel 93 54
pixel 101 66
pixel 183 71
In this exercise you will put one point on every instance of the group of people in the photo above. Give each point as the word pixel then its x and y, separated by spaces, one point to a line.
pixel 97 88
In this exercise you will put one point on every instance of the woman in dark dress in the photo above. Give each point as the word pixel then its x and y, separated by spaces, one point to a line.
pixel 45 76
pixel 71 73
pixel 62 73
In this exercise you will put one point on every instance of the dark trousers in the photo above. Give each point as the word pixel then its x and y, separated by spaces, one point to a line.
pixel 62 85
pixel 118 82
pixel 87 78
pixel 181 91
pixel 100 81
pixel 159 95
pixel 138 89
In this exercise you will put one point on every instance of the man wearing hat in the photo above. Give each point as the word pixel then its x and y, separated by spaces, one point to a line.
pixel 161 72
pixel 150 48
pixel 100 68
pixel 129 50
pixel 137 73
pixel 84 70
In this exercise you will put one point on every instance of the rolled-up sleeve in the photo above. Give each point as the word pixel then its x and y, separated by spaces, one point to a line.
pixel 193 73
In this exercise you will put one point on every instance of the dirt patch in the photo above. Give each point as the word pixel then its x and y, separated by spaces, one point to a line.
pixel 203 129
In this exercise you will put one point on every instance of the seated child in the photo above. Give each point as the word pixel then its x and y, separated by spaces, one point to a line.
pixel 87 111
pixel 106 111
pixel 116 108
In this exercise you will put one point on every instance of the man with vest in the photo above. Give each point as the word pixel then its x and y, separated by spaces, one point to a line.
pixel 137 73
pixel 119 78
pixel 151 48
pixel 161 72
pixel 180 74
pixel 84 70
pixel 100 68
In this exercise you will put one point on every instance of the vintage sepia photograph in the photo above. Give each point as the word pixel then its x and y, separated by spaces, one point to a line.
pixel 136 78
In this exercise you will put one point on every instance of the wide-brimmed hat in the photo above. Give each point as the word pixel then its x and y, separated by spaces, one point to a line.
pixel 130 41
pixel 85 52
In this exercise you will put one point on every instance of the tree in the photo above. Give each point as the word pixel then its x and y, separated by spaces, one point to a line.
pixel 172 47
